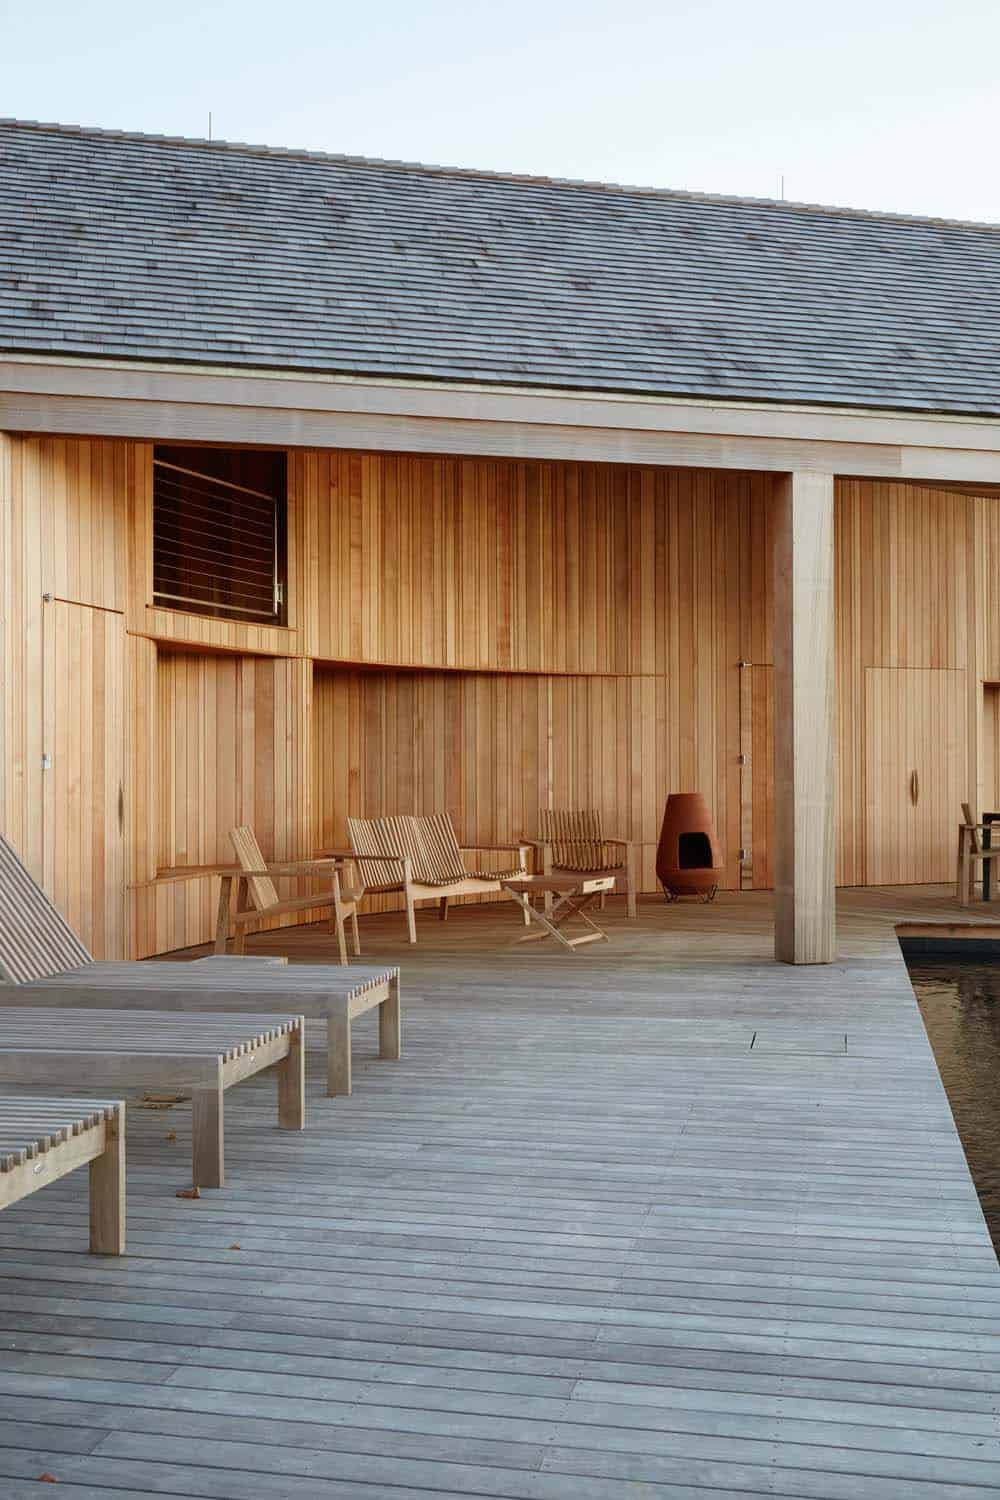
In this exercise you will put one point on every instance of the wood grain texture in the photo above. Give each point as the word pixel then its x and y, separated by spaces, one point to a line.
pixel 915 764
pixel 83 809
pixel 804 720
pixel 230 741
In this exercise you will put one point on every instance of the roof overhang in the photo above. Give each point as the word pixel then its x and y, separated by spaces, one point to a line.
pixel 206 404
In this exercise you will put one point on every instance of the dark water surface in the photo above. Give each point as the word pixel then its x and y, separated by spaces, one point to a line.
pixel 960 1004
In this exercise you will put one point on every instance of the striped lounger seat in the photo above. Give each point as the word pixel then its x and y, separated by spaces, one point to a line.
pixel 207 1054
pixel 43 1138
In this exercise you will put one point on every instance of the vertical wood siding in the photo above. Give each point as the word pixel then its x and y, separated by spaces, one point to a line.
pixel 480 636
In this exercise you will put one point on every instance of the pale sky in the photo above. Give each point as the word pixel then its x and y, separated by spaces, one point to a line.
pixel 870 103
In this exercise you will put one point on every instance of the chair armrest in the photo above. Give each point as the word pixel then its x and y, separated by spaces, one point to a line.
pixel 496 848
pixel 533 843
pixel 301 867
pixel 347 857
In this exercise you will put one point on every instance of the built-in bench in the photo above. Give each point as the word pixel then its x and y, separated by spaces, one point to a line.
pixel 43 1138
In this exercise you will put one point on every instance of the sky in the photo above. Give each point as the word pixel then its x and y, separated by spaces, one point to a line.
pixel 877 105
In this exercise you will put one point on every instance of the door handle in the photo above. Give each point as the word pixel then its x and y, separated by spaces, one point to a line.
pixel 914 788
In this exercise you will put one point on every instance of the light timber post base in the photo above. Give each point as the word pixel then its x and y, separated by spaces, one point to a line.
pixel 804 669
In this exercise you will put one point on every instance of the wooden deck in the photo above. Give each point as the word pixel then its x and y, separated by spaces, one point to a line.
pixel 657 1218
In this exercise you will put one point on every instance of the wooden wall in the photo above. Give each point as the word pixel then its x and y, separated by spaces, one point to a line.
pixel 478 635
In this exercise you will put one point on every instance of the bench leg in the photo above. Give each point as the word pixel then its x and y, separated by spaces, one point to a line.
pixel 338 923
pixel 411 920
pixel 357 934
pixel 338 1055
pixel 292 1084
pixel 390 1037
pixel 443 909
pixel 107 1192
pixel 208 1137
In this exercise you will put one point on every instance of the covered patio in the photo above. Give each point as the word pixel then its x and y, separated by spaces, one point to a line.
pixel 666 1215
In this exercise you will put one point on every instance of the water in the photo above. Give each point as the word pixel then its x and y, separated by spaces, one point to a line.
pixel 960 1004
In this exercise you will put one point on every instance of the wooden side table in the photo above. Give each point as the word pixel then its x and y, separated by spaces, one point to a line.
pixel 574 892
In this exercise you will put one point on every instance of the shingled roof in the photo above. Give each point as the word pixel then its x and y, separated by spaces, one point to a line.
pixel 131 246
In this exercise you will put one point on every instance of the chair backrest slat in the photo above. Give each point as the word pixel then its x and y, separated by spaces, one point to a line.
pixel 575 836
pixel 429 843
pixel 376 837
pixel 442 858
pixel 36 941
pixel 263 891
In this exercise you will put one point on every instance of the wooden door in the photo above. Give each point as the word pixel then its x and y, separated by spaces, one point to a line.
pixel 915 773
pixel 83 738
pixel 757 776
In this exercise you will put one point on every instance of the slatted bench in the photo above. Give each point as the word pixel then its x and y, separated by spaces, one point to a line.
pixel 45 964
pixel 42 1138
pixel 320 991
pixel 204 1053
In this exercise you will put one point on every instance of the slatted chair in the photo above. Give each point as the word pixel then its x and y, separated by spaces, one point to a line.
pixel 972 852
pixel 257 884
pixel 574 842
pixel 420 857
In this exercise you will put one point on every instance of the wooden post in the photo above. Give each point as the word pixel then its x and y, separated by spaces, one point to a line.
pixel 804 671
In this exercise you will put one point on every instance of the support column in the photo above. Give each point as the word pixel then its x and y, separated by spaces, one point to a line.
pixel 804 669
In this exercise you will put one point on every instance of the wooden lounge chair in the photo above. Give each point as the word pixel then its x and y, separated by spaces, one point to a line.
pixel 204 1053
pixel 573 842
pixel 257 884
pixel 47 965
pixel 972 852
pixel 42 1138
pixel 420 857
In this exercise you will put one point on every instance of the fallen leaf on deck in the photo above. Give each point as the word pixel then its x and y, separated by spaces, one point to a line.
pixel 194 1192
pixel 236 1247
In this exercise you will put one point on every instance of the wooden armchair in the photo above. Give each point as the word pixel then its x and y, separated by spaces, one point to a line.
pixel 257 895
pixel 971 852
pixel 575 842
pixel 420 857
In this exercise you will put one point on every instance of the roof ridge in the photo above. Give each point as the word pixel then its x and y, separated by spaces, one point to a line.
pixel 528 179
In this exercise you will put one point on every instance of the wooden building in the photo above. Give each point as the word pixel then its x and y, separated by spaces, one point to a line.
pixel 330 486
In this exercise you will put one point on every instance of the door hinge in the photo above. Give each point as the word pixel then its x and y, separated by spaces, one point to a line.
pixel 744 856
pixel 46 761
pixel 742 760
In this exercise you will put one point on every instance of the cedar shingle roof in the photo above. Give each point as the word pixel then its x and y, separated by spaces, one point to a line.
pixel 144 247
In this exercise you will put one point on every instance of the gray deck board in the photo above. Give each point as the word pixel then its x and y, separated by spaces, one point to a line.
pixel 635 1221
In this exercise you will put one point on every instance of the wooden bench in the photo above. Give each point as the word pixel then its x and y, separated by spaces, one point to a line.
pixel 320 991
pixel 42 1138
pixel 419 856
pixel 48 965
pixel 204 1053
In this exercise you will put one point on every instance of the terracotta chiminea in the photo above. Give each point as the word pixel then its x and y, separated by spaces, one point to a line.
pixel 689 859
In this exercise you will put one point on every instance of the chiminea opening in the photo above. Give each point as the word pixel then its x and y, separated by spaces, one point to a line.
pixel 694 851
